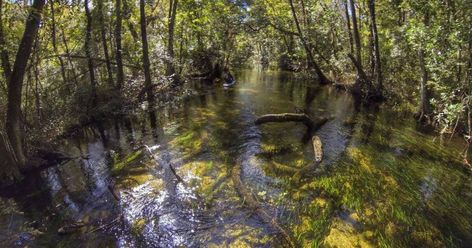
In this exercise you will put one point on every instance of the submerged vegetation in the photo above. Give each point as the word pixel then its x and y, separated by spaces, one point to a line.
pixel 235 123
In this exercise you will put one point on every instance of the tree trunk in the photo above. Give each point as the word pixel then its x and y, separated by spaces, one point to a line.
pixel 103 35
pixel 319 72
pixel 170 43
pixel 9 172
pixel 3 51
pixel 37 82
pixel 127 15
pixel 34 68
pixel 71 64
pixel 376 52
pixel 146 63
pixel 54 43
pixel 348 22
pixel 120 75
pixel 15 85
pixel 88 50
pixel 355 28
pixel 425 107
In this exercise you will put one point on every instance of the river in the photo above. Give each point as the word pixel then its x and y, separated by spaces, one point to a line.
pixel 207 176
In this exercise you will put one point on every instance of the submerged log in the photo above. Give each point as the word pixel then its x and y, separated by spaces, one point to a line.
pixel 284 168
pixel 317 148
pixel 71 228
pixel 251 201
pixel 313 169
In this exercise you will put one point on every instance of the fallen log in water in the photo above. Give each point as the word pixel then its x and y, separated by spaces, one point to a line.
pixel 71 228
pixel 312 125
pixel 251 201
pixel 286 117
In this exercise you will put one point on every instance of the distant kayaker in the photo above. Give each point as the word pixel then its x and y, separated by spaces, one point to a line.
pixel 228 77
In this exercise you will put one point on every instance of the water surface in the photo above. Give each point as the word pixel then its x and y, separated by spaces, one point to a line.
pixel 190 180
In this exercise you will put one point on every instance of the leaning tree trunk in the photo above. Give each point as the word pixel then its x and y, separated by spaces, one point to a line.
pixel 146 62
pixel 170 43
pixel 15 85
pixel 120 75
pixel 323 79
pixel 376 52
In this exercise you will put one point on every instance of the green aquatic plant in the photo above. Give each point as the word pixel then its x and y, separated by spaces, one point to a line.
pixel 127 161
pixel 386 192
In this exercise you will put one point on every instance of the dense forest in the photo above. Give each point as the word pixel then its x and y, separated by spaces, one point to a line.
pixel 393 77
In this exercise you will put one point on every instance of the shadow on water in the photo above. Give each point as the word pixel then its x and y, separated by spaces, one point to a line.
pixel 166 179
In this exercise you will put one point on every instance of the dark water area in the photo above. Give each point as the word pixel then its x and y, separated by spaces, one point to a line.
pixel 175 182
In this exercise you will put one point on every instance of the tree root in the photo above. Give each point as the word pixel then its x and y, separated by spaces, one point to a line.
pixel 251 201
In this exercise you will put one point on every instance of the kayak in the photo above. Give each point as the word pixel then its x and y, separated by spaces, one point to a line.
pixel 229 84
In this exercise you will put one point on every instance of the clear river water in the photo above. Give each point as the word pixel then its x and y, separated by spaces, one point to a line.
pixel 206 176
